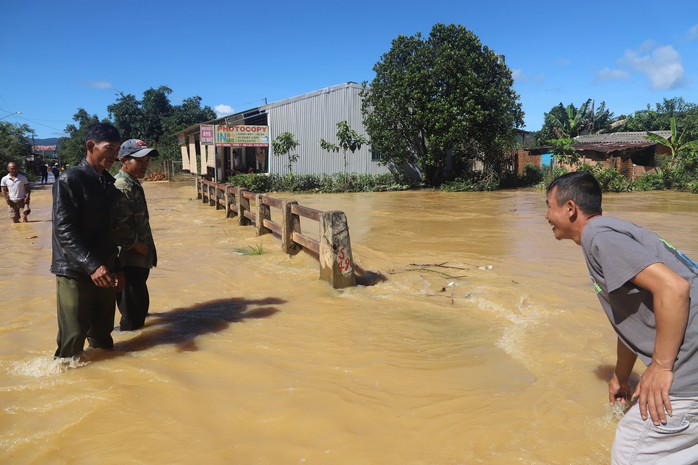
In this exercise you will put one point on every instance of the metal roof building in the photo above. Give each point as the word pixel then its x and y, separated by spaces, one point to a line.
pixel 309 117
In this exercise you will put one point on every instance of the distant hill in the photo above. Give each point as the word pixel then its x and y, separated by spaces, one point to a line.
pixel 49 141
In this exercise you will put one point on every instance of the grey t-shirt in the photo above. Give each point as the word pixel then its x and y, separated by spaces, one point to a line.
pixel 615 252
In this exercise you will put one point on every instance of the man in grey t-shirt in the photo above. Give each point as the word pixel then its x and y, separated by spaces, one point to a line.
pixel 649 291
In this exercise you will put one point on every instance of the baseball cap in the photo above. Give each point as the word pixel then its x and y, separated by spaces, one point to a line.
pixel 136 148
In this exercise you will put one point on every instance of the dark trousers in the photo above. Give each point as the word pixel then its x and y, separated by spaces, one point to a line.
pixel 85 311
pixel 134 299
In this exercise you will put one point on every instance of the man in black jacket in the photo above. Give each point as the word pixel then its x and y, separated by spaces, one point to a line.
pixel 84 255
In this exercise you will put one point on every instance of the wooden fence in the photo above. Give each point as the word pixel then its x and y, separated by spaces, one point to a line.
pixel 332 247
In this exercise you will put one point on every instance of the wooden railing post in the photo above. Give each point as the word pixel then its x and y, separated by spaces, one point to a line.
pixel 218 196
pixel 198 188
pixel 204 191
pixel 211 194
pixel 290 223
pixel 263 212
pixel 336 262
pixel 243 205
pixel 229 199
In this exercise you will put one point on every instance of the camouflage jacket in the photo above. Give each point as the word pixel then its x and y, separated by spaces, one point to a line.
pixel 133 223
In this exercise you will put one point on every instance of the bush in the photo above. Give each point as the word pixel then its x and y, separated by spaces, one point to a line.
pixel 532 174
pixel 252 182
pixel 611 180
pixel 650 182
pixel 549 176
pixel 474 183
pixel 326 183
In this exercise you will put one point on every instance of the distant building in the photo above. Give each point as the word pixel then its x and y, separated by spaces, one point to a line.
pixel 309 117
pixel 628 152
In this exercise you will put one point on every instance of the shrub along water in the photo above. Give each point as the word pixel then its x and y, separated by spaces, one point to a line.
pixel 325 183
pixel 683 176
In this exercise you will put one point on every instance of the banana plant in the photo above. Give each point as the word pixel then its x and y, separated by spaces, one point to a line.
pixel 675 142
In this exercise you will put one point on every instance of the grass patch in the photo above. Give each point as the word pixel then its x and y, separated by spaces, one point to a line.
pixel 250 250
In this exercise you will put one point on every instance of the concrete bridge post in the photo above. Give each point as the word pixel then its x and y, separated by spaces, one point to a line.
pixel 336 262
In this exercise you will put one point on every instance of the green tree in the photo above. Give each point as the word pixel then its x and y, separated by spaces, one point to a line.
pixel 564 151
pixel 566 122
pixel 347 139
pixel 15 144
pixel 602 120
pixel 573 122
pixel 156 108
pixel 127 115
pixel 440 103
pixel 284 145
pixel 676 143
pixel 188 113
pixel 155 120
pixel 659 117
pixel 72 148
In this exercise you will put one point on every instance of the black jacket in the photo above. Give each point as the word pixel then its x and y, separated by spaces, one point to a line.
pixel 84 207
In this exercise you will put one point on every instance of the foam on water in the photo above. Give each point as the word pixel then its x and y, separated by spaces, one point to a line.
pixel 40 367
pixel 521 319
pixel 616 411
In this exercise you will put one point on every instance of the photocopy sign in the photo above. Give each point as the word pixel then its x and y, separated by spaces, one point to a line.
pixel 206 134
pixel 242 135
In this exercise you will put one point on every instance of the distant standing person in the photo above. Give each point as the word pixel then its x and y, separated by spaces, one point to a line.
pixel 133 234
pixel 43 170
pixel 649 291
pixel 56 171
pixel 16 191
pixel 84 256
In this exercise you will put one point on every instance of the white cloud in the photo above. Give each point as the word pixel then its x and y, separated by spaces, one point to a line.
pixel 663 66
pixel 608 74
pixel 693 33
pixel 100 84
pixel 223 110
pixel 518 75
pixel 647 45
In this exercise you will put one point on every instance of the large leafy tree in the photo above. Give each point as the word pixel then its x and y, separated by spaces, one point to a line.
pixel 15 144
pixel 442 101
pixel 72 148
pixel 157 109
pixel 186 114
pixel 127 115
pixel 155 120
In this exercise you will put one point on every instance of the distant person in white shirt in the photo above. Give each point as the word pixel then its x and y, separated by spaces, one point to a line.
pixel 16 191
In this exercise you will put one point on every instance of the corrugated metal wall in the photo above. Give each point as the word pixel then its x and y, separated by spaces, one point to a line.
pixel 314 116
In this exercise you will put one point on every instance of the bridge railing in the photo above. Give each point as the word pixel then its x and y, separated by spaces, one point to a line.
pixel 282 218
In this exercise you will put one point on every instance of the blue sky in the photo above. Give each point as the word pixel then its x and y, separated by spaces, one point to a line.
pixel 56 57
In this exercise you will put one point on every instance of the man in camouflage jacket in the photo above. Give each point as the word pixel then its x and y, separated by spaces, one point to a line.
pixel 133 234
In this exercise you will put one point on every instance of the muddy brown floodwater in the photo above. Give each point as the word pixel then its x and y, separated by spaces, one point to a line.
pixel 497 356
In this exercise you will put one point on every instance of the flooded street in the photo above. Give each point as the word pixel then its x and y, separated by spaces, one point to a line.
pixel 484 345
